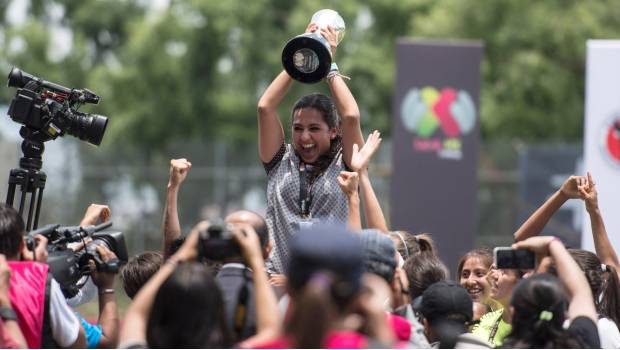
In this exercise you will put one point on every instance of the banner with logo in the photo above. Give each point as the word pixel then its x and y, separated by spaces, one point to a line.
pixel 602 134
pixel 435 143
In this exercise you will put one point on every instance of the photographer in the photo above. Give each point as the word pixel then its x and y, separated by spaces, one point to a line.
pixel 196 318
pixel 234 278
pixel 42 312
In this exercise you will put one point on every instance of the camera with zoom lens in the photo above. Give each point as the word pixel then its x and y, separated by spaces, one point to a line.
pixel 69 266
pixel 50 109
pixel 217 242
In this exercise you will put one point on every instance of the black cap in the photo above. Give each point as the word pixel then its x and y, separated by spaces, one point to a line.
pixel 445 301
pixel 323 248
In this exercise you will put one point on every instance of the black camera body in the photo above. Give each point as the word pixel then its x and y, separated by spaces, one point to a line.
pixel 217 243
pixel 51 109
pixel 69 266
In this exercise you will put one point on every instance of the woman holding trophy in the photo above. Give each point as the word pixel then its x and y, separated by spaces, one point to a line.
pixel 302 186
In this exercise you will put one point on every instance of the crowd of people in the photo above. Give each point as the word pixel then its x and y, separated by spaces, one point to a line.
pixel 311 273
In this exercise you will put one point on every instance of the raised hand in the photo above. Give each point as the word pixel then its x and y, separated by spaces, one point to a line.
pixel 348 182
pixel 588 193
pixel 361 157
pixel 96 213
pixel 332 38
pixel 570 187
pixel 178 171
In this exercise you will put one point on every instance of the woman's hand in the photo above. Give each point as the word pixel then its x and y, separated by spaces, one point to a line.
pixel 537 244
pixel 348 182
pixel 570 187
pixel 361 157
pixel 588 193
pixel 332 38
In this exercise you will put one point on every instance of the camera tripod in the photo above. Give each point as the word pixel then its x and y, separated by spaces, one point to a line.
pixel 29 176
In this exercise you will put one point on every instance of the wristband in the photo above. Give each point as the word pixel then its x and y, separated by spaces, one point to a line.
pixel 333 67
pixel 106 291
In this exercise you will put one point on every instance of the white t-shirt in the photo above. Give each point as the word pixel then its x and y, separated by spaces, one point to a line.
pixel 608 333
pixel 65 325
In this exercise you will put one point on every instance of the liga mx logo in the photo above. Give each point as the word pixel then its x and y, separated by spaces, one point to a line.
pixel 439 119
pixel 611 140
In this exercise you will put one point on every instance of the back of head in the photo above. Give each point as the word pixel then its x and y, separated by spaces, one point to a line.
pixel 324 277
pixel 188 311
pixel 539 303
pixel 408 244
pixel 448 309
pixel 603 281
pixel 422 271
pixel 254 219
pixel 12 229
pixel 138 270
pixel 380 254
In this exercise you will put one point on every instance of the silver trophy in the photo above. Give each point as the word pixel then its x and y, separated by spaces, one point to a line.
pixel 307 58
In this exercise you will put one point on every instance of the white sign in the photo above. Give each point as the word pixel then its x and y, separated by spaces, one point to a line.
pixel 602 135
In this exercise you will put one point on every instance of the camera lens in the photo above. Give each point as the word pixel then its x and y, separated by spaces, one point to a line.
pixel 88 127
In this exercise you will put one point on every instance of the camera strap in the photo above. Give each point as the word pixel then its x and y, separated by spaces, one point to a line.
pixel 241 310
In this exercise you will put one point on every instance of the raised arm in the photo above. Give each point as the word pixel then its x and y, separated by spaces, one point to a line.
pixel 136 318
pixel 348 182
pixel 573 278
pixel 345 104
pixel 359 162
pixel 268 323
pixel 108 310
pixel 171 228
pixel 535 223
pixel 602 245
pixel 270 131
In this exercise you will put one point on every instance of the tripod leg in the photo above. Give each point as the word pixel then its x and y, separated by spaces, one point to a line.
pixel 10 195
pixel 31 209
pixel 38 209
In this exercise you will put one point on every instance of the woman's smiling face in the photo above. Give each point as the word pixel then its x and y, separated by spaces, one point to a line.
pixel 473 278
pixel 311 135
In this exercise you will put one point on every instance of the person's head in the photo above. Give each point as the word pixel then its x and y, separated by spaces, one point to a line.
pixel 323 280
pixel 257 222
pixel 12 231
pixel 472 274
pixel 447 310
pixel 188 311
pixel 138 270
pixel 603 281
pixel 408 244
pixel 538 308
pixel 503 282
pixel 422 271
pixel 316 127
pixel 380 254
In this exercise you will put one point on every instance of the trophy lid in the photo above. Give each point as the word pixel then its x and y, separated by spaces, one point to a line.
pixel 327 17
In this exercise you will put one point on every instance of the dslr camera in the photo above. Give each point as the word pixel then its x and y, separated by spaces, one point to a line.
pixel 51 110
pixel 217 242
pixel 69 266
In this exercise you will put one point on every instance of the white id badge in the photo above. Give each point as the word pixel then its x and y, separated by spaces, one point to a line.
pixel 305 224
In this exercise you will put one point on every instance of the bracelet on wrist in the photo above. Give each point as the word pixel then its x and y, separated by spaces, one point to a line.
pixel 106 291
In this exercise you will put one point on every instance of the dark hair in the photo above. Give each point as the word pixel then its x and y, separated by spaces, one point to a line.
pixel 483 254
pixel 12 230
pixel 328 111
pixel 380 269
pixel 532 296
pixel 408 244
pixel 606 291
pixel 315 310
pixel 188 311
pixel 138 270
pixel 422 271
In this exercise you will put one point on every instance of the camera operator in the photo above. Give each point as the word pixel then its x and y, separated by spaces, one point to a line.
pixel 11 336
pixel 41 310
pixel 234 277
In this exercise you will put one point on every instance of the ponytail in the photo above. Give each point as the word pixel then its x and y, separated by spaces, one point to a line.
pixel 610 296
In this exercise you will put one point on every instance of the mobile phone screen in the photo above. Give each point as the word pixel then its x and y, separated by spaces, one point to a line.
pixel 508 258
